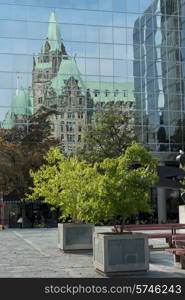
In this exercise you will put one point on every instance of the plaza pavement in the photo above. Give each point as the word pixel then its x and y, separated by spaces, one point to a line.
pixel 33 253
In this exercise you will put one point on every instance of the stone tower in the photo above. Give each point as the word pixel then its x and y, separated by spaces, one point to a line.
pixel 47 64
pixel 74 104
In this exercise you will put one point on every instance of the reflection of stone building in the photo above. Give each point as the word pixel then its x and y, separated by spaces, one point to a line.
pixel 158 73
pixel 21 109
pixel 57 82
pixel 159 89
pixel 147 73
pixel 171 67
pixel 74 104
pixel 47 64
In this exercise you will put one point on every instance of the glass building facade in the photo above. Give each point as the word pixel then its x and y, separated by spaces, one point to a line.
pixel 89 55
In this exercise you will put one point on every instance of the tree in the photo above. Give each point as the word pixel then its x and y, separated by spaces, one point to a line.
pixel 108 137
pixel 126 182
pixel 102 191
pixel 66 183
pixel 10 159
pixel 39 130
pixel 23 148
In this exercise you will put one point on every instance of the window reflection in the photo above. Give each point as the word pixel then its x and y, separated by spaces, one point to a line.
pixel 93 18
pixel 105 5
pixel 119 19
pixel 78 33
pixel 132 5
pixel 92 34
pixel 78 16
pixel 105 18
pixel 92 66
pixel 105 34
pixel 147 5
pixel 106 67
pixel 106 51
pixel 93 50
pixel 120 52
pixel 119 5
pixel 111 51
pixel 120 36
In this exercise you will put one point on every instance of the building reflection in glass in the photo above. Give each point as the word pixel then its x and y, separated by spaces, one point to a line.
pixel 92 55
pixel 159 74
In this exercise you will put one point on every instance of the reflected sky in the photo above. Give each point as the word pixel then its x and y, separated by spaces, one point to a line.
pixel 20 38
pixel 107 5
pixel 99 33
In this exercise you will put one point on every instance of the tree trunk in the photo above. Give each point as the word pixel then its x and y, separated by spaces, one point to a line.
pixel 122 225
pixel 119 228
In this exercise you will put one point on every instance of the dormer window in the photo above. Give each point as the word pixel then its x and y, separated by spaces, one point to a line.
pixel 116 93
pixel 96 93
pixel 107 93
pixel 125 93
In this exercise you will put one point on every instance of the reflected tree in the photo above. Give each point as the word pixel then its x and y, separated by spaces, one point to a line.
pixel 22 149
pixel 108 136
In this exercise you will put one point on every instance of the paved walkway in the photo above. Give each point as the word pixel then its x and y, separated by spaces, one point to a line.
pixel 28 253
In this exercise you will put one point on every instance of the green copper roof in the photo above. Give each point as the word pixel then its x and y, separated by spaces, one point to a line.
pixel 54 36
pixel 111 91
pixel 68 68
pixel 7 123
pixel 54 39
pixel 107 91
pixel 22 103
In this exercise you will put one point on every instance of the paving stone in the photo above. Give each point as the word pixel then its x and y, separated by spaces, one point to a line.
pixel 29 253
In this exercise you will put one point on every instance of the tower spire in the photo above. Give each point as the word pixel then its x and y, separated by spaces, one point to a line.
pixel 54 36
pixel 18 78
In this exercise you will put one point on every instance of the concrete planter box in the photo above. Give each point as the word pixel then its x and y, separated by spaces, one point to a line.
pixel 120 253
pixel 181 217
pixel 75 236
pixel 182 214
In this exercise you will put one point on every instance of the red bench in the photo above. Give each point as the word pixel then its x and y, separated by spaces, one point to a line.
pixel 173 250
pixel 179 256
pixel 156 235
pixel 157 227
pixel 164 235
pixel 168 226
pixel 173 240
pixel 178 241
pixel 159 235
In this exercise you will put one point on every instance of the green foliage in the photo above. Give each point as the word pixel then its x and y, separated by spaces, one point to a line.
pixel 93 193
pixel 125 188
pixel 108 136
pixel 21 149
pixel 66 183
pixel 10 165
